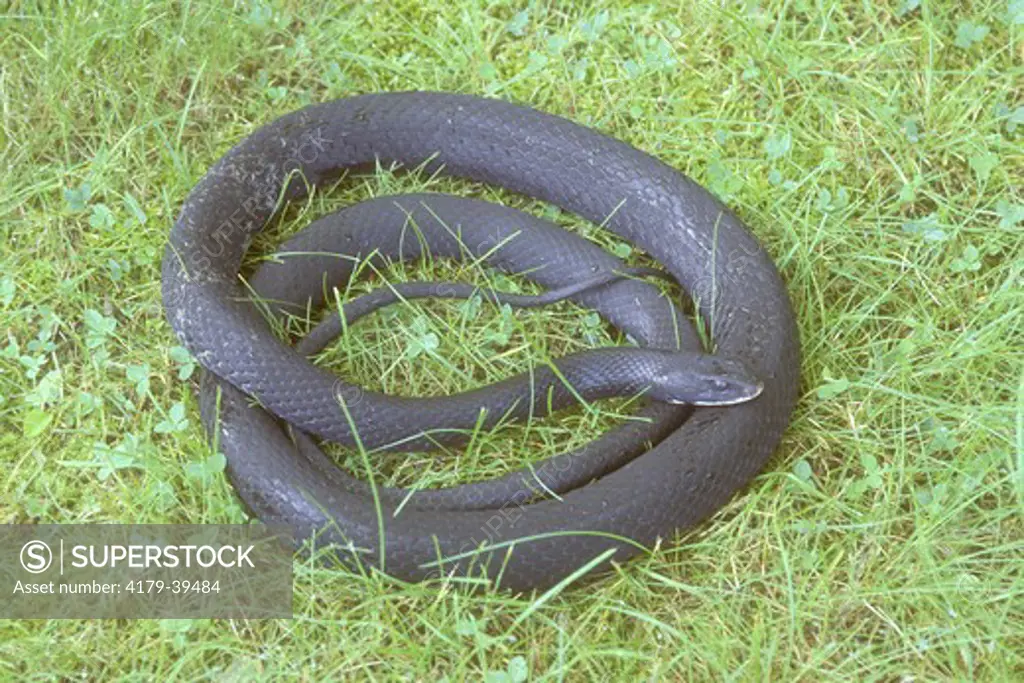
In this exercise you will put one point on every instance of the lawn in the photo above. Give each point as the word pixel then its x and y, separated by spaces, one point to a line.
pixel 874 147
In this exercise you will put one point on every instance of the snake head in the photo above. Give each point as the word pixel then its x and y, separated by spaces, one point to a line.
pixel 704 380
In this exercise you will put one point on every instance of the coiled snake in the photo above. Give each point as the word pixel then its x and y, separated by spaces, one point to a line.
pixel 575 513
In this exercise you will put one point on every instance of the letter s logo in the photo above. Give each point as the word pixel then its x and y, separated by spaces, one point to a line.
pixel 36 557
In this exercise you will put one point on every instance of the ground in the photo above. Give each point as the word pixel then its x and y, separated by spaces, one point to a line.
pixel 876 150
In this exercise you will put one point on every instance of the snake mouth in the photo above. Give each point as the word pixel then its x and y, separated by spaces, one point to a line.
pixel 755 391
pixel 751 392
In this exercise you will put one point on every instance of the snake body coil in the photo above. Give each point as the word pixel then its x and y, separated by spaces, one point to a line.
pixel 696 464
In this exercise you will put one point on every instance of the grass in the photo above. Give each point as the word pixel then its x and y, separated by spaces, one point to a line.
pixel 874 147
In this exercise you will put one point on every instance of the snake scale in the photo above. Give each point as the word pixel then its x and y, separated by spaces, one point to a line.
pixel 580 511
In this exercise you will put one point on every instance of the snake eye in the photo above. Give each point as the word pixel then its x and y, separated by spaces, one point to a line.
pixel 718 384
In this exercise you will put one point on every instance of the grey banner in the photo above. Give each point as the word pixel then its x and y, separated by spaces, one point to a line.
pixel 146 571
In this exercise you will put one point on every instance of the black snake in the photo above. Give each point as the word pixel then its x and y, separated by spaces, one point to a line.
pixel 576 512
